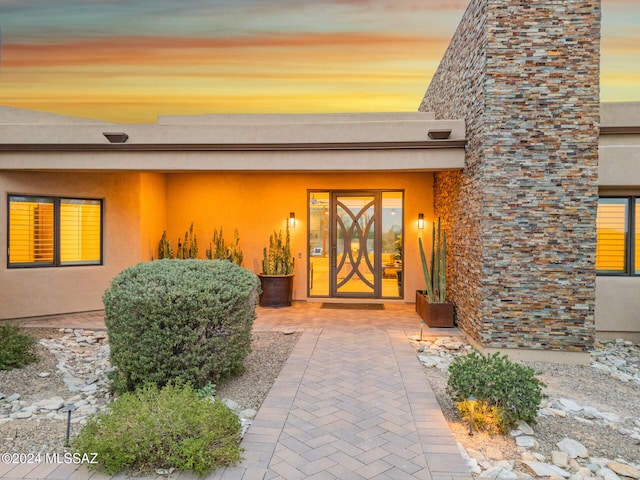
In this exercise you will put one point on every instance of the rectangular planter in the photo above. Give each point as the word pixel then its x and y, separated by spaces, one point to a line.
pixel 437 315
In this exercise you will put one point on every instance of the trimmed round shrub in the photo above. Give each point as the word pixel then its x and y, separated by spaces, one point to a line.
pixel 505 391
pixel 185 321
pixel 165 428
pixel 17 349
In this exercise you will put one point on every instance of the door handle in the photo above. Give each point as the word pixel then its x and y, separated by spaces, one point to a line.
pixel 334 249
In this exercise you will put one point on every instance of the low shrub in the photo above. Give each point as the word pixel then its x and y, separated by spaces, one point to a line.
pixel 153 428
pixel 505 391
pixel 17 349
pixel 185 321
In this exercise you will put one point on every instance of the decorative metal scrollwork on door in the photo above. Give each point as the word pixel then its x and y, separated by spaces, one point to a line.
pixel 354 245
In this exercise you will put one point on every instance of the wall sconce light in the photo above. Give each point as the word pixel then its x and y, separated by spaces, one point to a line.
pixel 421 221
pixel 116 137
pixel 292 219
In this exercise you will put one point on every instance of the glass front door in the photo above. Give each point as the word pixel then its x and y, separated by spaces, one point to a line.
pixel 355 244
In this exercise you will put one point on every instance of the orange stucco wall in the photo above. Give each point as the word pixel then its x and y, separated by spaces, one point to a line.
pixel 139 206
pixel 258 203
pixel 153 214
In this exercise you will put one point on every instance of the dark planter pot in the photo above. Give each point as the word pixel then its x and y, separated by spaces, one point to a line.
pixel 277 290
pixel 437 315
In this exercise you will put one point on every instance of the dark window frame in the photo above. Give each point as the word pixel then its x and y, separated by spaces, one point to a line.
pixel 57 262
pixel 629 241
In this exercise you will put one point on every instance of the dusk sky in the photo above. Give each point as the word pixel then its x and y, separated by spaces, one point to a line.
pixel 132 60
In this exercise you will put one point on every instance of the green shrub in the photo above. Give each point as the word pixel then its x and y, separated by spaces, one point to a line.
pixel 172 427
pixel 16 348
pixel 505 391
pixel 179 320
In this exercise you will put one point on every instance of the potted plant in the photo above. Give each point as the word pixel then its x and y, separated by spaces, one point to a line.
pixel 277 271
pixel 431 305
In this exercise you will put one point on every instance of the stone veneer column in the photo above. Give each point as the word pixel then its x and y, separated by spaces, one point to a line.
pixel 521 215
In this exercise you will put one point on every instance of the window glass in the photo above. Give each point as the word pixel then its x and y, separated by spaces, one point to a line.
pixel 392 245
pixel 80 231
pixel 612 228
pixel 31 230
pixel 48 231
pixel 319 244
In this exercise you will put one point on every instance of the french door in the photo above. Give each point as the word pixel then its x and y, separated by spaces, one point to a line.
pixel 355 244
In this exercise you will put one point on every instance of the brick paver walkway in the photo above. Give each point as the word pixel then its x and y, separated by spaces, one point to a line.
pixel 350 403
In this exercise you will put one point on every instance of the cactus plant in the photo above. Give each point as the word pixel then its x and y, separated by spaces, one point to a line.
pixel 436 277
pixel 188 248
pixel 277 258
pixel 217 248
pixel 165 250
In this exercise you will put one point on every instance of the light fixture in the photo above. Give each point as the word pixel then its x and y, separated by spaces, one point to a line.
pixel 116 137
pixel 421 221
pixel 439 134
pixel 292 219
pixel 472 405
pixel 70 407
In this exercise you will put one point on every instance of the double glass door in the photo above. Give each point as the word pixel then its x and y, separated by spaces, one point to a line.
pixel 355 244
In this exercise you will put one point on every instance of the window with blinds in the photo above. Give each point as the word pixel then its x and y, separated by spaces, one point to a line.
pixel 50 231
pixel 612 228
pixel 618 245
pixel 31 230
pixel 80 231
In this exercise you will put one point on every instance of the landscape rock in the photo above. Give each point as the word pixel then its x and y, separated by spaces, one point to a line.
pixel 22 414
pixel 428 361
pixel 547 470
pixel 527 441
pixel 624 469
pixel 608 474
pixel 573 448
pixel 524 427
pixel 560 459
pixel 570 405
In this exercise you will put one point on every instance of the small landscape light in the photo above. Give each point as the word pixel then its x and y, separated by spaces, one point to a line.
pixel 70 407
pixel 472 404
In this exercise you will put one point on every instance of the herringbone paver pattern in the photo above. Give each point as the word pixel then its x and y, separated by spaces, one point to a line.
pixel 350 403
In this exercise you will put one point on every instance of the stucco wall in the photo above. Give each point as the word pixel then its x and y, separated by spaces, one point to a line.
pixel 259 203
pixel 616 310
pixel 29 292
pixel 525 78
pixel 153 214
pixel 139 206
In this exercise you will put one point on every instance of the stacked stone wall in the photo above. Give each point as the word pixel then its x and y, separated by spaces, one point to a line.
pixel 457 91
pixel 524 75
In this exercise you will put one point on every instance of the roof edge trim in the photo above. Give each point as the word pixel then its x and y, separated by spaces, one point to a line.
pixel 222 147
